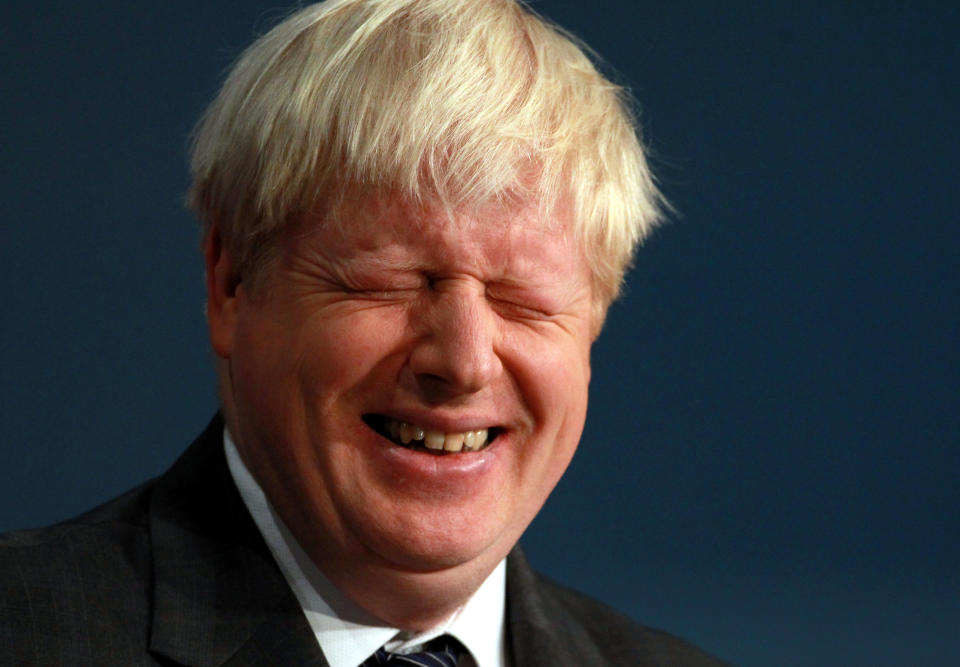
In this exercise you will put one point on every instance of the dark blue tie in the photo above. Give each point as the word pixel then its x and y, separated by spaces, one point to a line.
pixel 444 651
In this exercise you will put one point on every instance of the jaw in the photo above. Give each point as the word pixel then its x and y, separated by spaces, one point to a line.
pixel 408 533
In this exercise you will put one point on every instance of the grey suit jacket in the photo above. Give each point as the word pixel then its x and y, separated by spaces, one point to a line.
pixel 175 573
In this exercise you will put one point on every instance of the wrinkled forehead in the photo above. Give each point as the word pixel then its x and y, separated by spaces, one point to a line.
pixel 369 221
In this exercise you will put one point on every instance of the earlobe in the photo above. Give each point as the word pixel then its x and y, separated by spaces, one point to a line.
pixel 221 294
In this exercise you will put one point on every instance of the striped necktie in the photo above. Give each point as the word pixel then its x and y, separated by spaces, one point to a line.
pixel 444 651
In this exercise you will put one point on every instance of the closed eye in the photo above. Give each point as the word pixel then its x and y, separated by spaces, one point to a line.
pixel 512 309
pixel 402 288
pixel 385 294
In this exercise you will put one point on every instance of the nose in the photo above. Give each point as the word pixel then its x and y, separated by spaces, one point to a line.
pixel 456 352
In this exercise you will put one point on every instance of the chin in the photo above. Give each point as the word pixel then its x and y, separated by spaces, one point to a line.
pixel 425 549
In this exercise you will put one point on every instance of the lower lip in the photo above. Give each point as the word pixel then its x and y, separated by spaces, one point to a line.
pixel 455 468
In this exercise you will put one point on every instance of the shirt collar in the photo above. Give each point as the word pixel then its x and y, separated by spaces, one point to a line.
pixel 346 634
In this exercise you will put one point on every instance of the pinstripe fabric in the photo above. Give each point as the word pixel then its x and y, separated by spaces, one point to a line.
pixel 444 651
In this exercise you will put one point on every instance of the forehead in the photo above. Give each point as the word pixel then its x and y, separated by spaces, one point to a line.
pixel 518 236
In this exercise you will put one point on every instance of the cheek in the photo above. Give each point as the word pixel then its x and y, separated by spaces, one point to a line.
pixel 350 347
pixel 553 378
pixel 554 372
pixel 342 361
pixel 302 357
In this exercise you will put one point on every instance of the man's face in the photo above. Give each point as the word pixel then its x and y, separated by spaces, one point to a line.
pixel 394 323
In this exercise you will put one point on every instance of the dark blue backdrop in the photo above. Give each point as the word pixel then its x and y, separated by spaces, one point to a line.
pixel 771 462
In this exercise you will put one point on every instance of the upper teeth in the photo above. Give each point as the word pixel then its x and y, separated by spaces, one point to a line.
pixel 451 442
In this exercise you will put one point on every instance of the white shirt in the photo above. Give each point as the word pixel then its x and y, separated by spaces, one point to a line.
pixel 347 635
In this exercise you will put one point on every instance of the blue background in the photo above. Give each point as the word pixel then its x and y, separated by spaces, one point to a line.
pixel 771 461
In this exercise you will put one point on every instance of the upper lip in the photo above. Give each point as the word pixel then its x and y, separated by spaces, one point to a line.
pixel 438 422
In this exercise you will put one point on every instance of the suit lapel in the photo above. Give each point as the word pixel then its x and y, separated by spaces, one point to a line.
pixel 540 630
pixel 218 596
pixel 284 637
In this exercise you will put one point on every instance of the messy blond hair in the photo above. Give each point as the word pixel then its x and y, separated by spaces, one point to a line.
pixel 458 102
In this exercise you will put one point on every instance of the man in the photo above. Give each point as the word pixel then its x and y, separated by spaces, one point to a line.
pixel 415 214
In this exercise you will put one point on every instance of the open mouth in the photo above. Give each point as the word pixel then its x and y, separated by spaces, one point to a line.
pixel 416 437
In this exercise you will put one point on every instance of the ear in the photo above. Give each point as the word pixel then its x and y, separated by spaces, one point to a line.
pixel 221 294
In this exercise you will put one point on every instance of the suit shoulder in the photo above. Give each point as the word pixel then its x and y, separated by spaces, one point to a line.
pixel 628 642
pixel 125 511
pixel 113 533
pixel 65 585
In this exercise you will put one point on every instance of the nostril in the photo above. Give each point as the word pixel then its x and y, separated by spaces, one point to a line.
pixel 435 388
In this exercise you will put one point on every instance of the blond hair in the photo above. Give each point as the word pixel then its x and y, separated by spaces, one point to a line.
pixel 461 102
